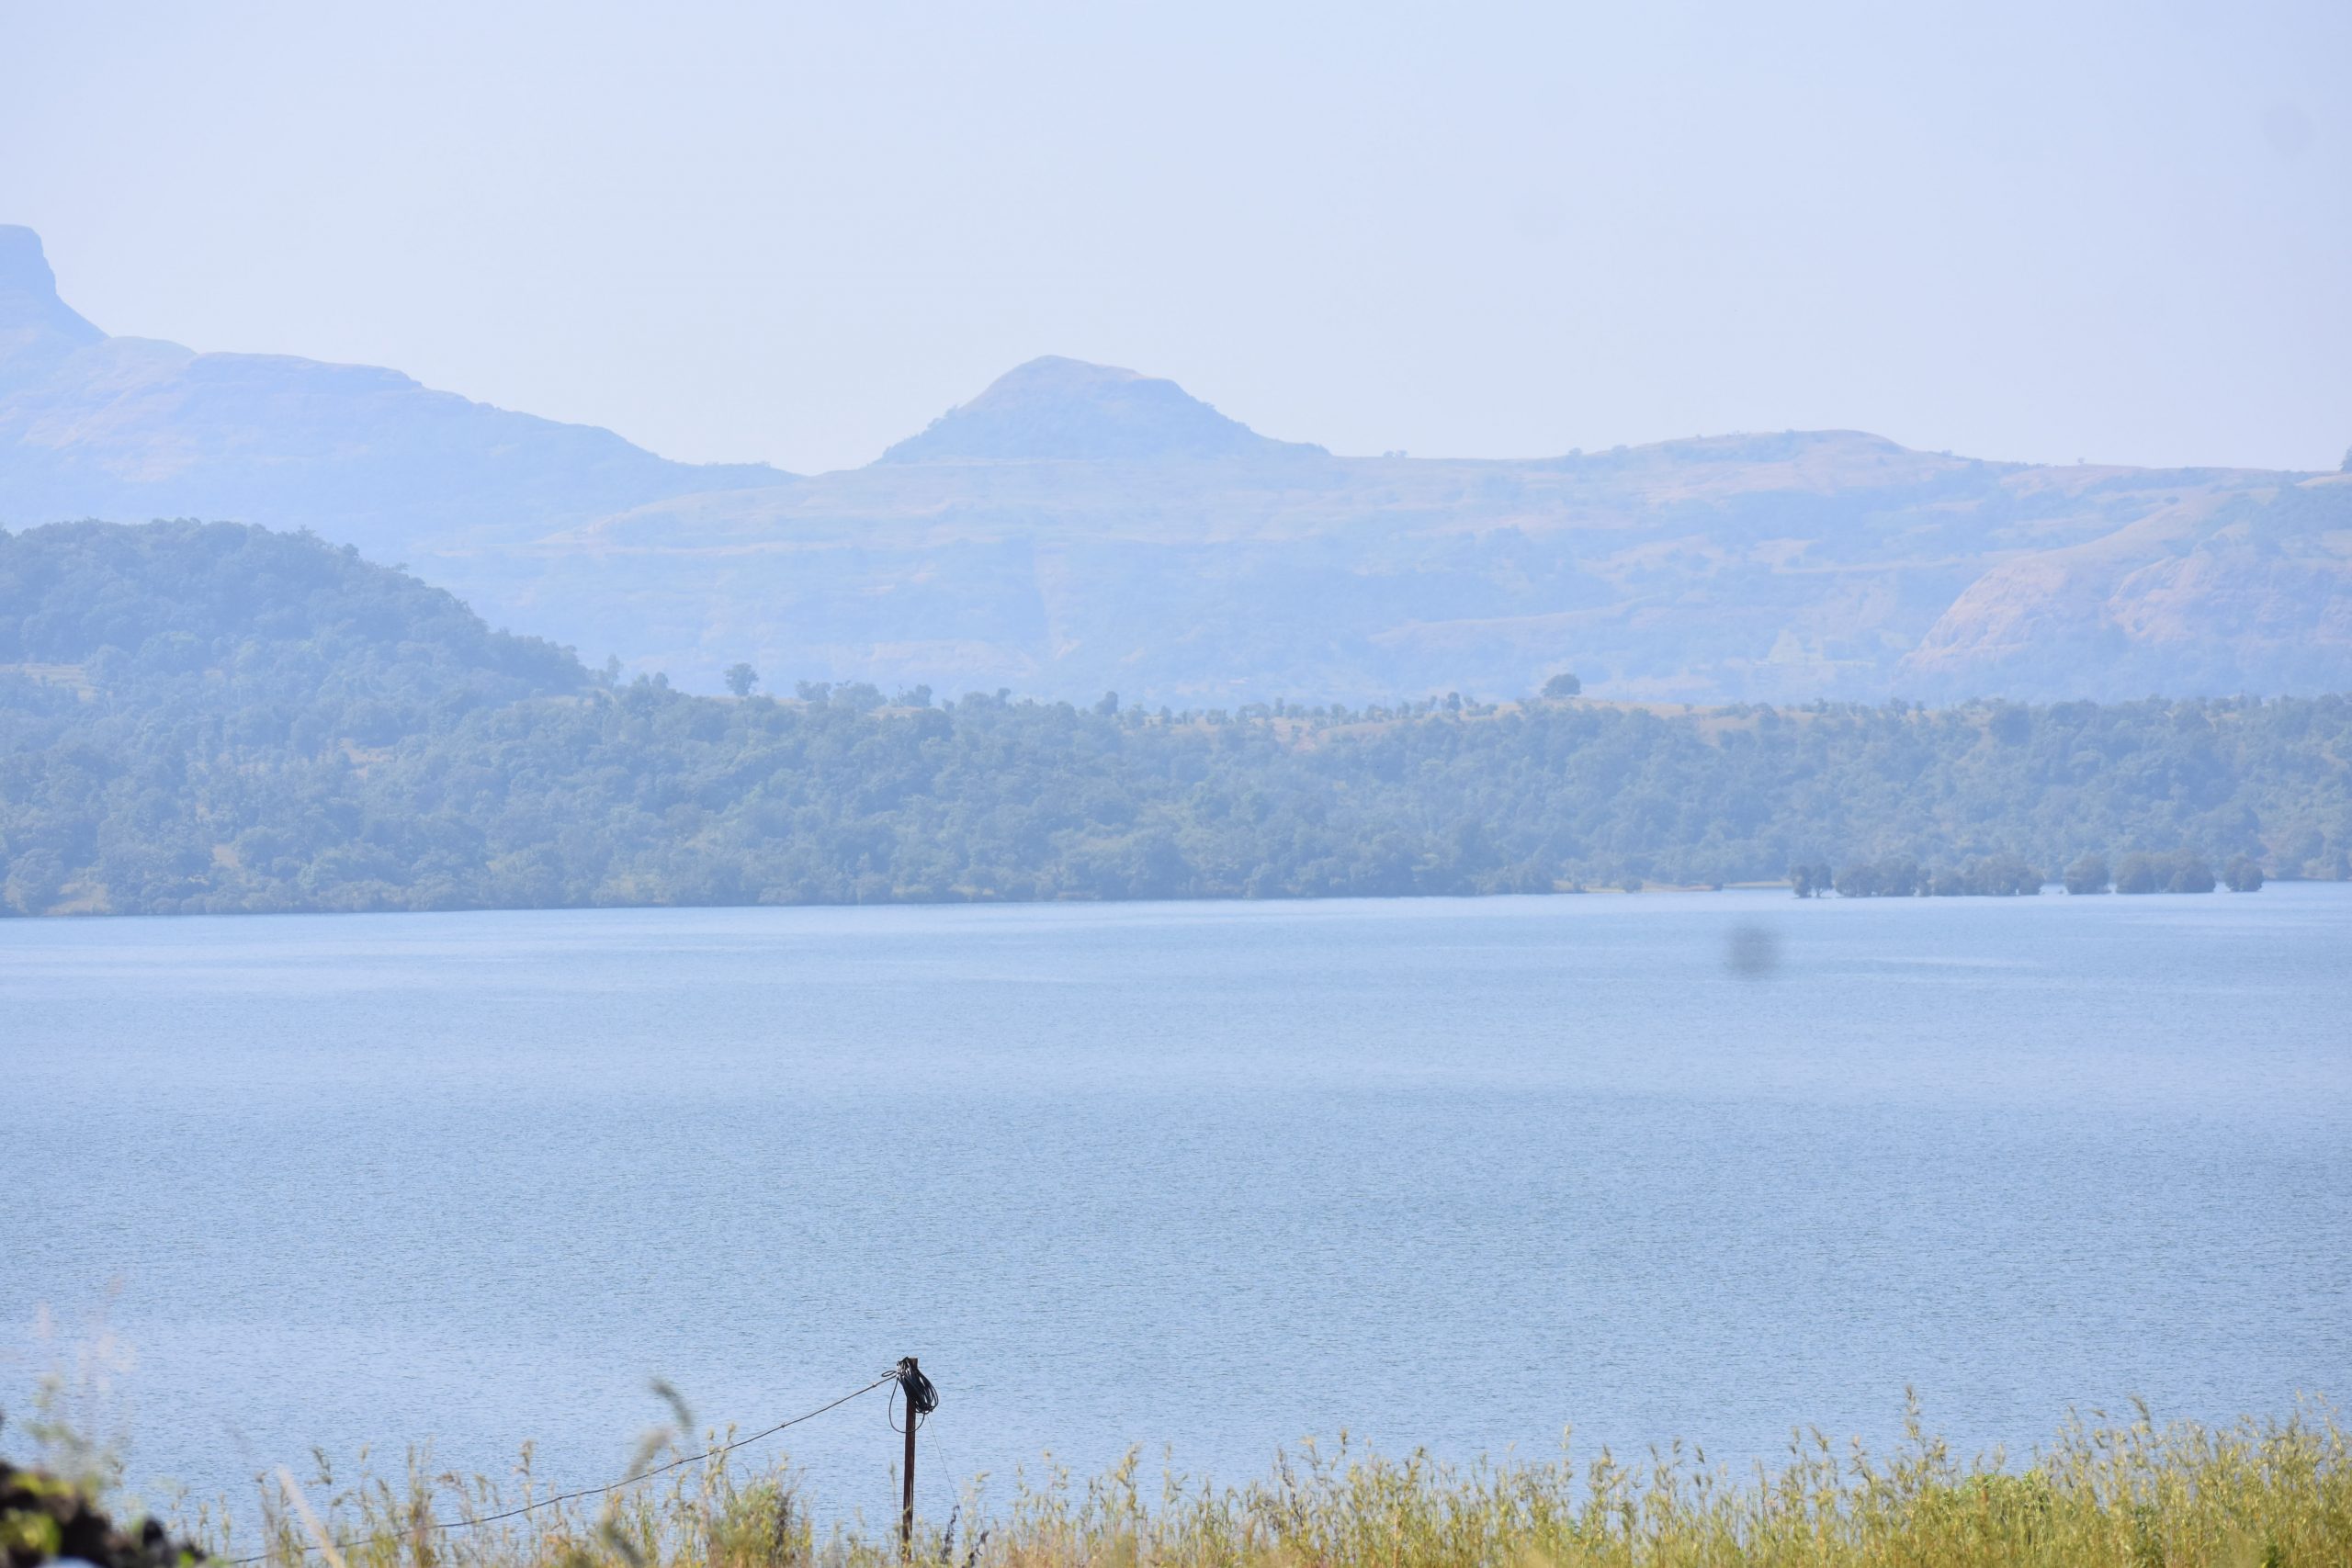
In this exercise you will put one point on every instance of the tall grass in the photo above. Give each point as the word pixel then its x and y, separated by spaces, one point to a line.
pixel 2261 1493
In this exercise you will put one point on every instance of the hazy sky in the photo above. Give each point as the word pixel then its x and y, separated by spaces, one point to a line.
pixel 2122 232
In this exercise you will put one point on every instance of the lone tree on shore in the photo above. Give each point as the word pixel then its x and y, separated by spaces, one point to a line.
pixel 2087 875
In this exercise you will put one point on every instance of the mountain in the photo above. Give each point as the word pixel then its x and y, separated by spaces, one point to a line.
pixel 1774 567
pixel 132 428
pixel 2219 588
pixel 1055 408
pixel 37 330
pixel 1076 529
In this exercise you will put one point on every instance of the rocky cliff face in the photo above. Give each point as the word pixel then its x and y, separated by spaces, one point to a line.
pixel 37 330
pixel 1076 527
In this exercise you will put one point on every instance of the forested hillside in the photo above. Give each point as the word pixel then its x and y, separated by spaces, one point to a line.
pixel 191 616
pixel 216 717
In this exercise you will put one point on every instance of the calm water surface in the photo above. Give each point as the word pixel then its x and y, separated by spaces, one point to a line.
pixel 1459 1174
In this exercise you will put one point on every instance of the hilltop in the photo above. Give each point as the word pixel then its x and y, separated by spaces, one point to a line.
pixel 1074 528
pixel 133 428
pixel 1055 408
pixel 223 617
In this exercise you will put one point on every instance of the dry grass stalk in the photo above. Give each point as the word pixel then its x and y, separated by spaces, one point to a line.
pixel 2130 1494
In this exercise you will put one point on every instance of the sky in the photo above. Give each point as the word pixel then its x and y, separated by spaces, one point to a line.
pixel 798 233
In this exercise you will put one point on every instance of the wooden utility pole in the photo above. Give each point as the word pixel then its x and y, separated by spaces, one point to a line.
pixel 907 1506
pixel 921 1400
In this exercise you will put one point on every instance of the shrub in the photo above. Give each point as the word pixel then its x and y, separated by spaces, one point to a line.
pixel 2088 874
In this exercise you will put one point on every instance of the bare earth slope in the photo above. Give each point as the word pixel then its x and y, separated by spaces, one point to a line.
pixel 1077 528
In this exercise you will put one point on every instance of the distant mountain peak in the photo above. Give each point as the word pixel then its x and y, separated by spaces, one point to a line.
pixel 92 426
pixel 1054 407
pixel 37 328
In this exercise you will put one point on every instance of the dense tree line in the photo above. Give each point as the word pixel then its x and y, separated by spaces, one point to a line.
pixel 212 717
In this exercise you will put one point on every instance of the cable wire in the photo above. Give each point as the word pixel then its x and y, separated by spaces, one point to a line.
pixel 438 1525
pixel 921 1398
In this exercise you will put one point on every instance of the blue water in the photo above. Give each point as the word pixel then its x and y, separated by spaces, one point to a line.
pixel 1210 1177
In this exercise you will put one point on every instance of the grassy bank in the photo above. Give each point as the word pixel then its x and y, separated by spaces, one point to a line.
pixel 2131 1493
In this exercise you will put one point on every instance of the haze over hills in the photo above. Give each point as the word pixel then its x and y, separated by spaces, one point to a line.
pixel 1076 529
pixel 1053 409
pixel 120 428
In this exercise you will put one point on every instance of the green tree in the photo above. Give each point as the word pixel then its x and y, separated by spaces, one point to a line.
pixel 2088 874
pixel 1562 685
pixel 2186 871
pixel 740 678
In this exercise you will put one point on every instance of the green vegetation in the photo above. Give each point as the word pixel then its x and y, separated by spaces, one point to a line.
pixel 2181 872
pixel 46 1517
pixel 2000 875
pixel 2129 1494
pixel 201 717
pixel 2089 874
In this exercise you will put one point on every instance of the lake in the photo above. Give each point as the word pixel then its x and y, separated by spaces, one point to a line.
pixel 1207 1177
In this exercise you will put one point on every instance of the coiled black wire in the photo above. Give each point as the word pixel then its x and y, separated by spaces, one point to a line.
pixel 921 1397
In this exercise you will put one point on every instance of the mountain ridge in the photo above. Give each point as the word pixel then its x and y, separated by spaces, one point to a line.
pixel 100 425
pixel 1074 528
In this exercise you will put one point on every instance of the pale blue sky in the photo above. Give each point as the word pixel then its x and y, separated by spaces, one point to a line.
pixel 2121 232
